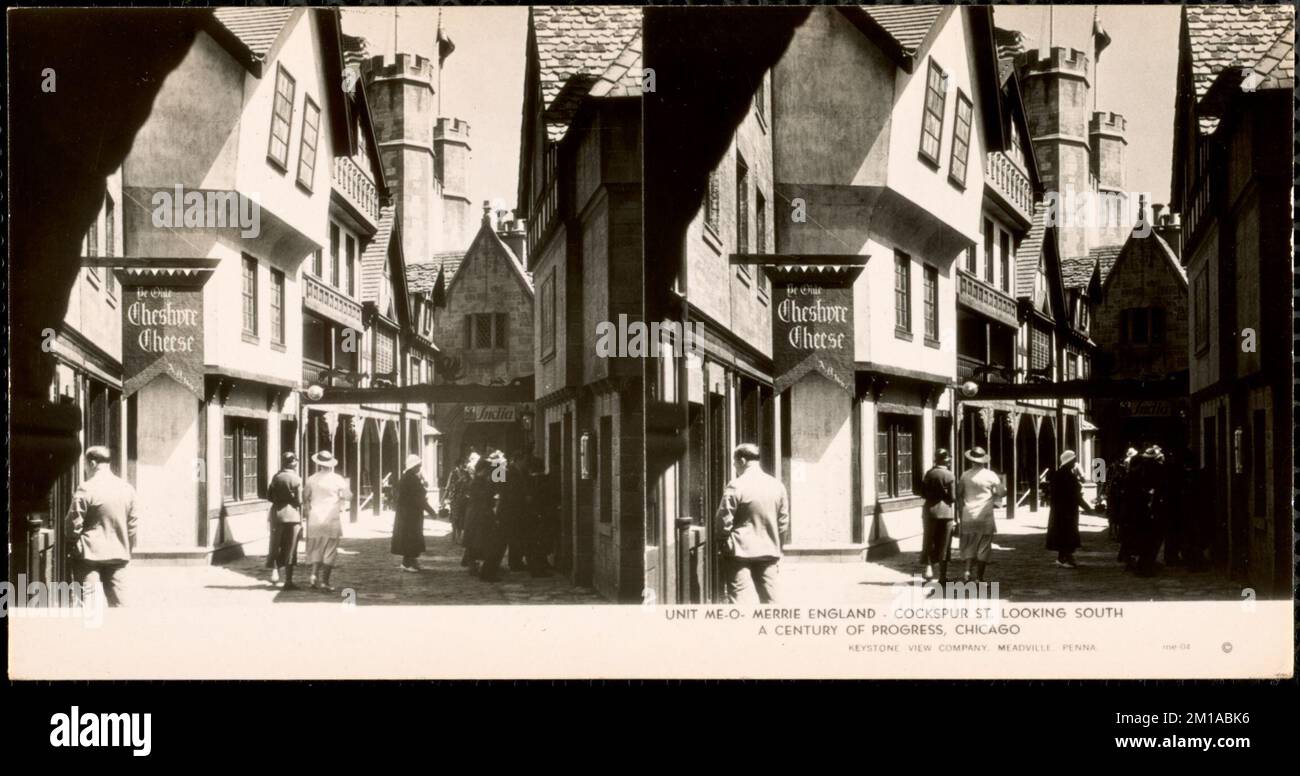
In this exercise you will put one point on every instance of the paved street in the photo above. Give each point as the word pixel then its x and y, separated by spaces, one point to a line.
pixel 1023 568
pixel 364 566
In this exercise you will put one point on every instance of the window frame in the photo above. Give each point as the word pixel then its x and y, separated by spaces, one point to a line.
pixel 281 72
pixel 891 427
pixel 278 310
pixel 742 213
pixel 308 105
pixel 930 306
pixel 902 295
pixel 927 110
pixel 235 475
pixel 110 240
pixel 1201 312
pixel 547 314
pixel 249 296
pixel 964 139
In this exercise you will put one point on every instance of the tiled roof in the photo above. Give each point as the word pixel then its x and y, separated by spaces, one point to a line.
pixel 1225 35
pixel 907 24
pixel 1031 248
pixel 256 28
pixel 376 254
pixel 1277 66
pixel 421 278
pixel 623 77
pixel 1076 271
pixel 1105 256
pixel 578 44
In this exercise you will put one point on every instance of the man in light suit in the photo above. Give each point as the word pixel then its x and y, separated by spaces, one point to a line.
pixel 100 526
pixel 754 517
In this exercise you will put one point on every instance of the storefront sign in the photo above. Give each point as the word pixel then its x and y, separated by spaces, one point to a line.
pixel 812 330
pixel 1147 408
pixel 489 413
pixel 162 334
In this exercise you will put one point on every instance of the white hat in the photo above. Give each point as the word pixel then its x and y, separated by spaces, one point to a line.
pixel 325 458
pixel 413 461
pixel 1067 456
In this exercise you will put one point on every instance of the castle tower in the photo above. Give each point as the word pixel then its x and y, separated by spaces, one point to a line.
pixel 401 96
pixel 1056 105
pixel 452 154
pixel 1107 142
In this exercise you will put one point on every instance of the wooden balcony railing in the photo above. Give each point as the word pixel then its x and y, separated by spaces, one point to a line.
pixel 985 299
pixel 321 298
pixel 541 216
pixel 1004 177
pixel 356 187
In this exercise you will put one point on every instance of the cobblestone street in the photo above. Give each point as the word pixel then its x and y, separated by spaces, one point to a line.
pixel 1022 567
pixel 364 566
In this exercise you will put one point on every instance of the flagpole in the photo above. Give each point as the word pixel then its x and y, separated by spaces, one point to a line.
pixel 1096 63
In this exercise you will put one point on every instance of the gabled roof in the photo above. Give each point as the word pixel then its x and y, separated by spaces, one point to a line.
pixel 575 46
pixel 1227 36
pixel 422 277
pixel 256 28
pixel 907 24
pixel 1105 257
pixel 1078 271
pixel 376 254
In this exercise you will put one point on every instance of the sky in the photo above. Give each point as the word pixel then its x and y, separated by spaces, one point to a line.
pixel 1136 77
pixel 483 81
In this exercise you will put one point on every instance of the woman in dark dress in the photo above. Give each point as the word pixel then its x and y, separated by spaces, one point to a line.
pixel 480 516
pixel 408 522
pixel 1066 499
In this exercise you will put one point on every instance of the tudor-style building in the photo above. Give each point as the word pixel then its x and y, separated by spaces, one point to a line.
pixel 580 192
pixel 1232 187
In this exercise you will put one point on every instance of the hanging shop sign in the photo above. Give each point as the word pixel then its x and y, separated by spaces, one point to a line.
pixel 812 331
pixel 162 334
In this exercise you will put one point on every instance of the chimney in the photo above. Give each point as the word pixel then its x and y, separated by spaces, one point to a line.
pixel 1170 228
pixel 514 233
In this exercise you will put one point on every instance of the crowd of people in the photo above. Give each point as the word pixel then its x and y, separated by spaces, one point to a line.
pixel 1144 495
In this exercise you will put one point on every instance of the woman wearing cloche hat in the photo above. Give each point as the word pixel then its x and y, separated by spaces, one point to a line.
pixel 408 520
pixel 1066 500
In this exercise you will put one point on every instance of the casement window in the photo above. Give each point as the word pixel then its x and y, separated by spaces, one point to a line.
pixel 317 263
pixel 485 331
pixel 989 235
pixel 902 292
pixel 277 307
pixel 241 465
pixel 1142 326
pixel 742 211
pixel 1004 243
pixel 335 247
pixel 931 291
pixel 932 120
pixel 385 345
pixel 970 255
pixel 250 295
pixel 896 455
pixel 712 202
pixel 1040 349
pixel 1008 249
pixel 92 245
pixel 960 141
pixel 351 264
pixel 307 143
pixel 1201 306
pixel 110 244
pixel 760 224
pixel 281 118
pixel 760 97
pixel 548 315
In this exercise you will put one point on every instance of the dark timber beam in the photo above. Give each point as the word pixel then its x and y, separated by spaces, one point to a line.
pixel 1174 388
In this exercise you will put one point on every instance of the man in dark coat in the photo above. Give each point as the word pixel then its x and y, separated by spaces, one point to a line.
pixel 408 521
pixel 285 494
pixel 1063 521
pixel 517 507
pixel 936 516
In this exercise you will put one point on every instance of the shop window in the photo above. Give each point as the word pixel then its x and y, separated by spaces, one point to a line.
pixel 896 456
pixel 281 119
pixel 242 450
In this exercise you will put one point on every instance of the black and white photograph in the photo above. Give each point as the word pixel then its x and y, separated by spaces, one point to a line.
pixel 576 339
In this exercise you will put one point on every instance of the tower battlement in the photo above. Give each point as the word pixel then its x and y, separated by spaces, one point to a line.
pixel 1107 122
pixel 1060 59
pixel 408 67
pixel 451 130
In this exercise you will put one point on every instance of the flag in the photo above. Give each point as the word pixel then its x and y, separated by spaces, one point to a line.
pixel 444 44
pixel 1100 38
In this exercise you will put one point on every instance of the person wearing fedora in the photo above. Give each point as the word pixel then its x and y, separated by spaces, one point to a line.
pixel 936 516
pixel 285 494
pixel 978 494
pixel 1066 500
pixel 408 520
pixel 322 498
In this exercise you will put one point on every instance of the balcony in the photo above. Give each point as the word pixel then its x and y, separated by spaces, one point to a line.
pixel 986 300
pixel 356 188
pixel 1010 184
pixel 330 302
